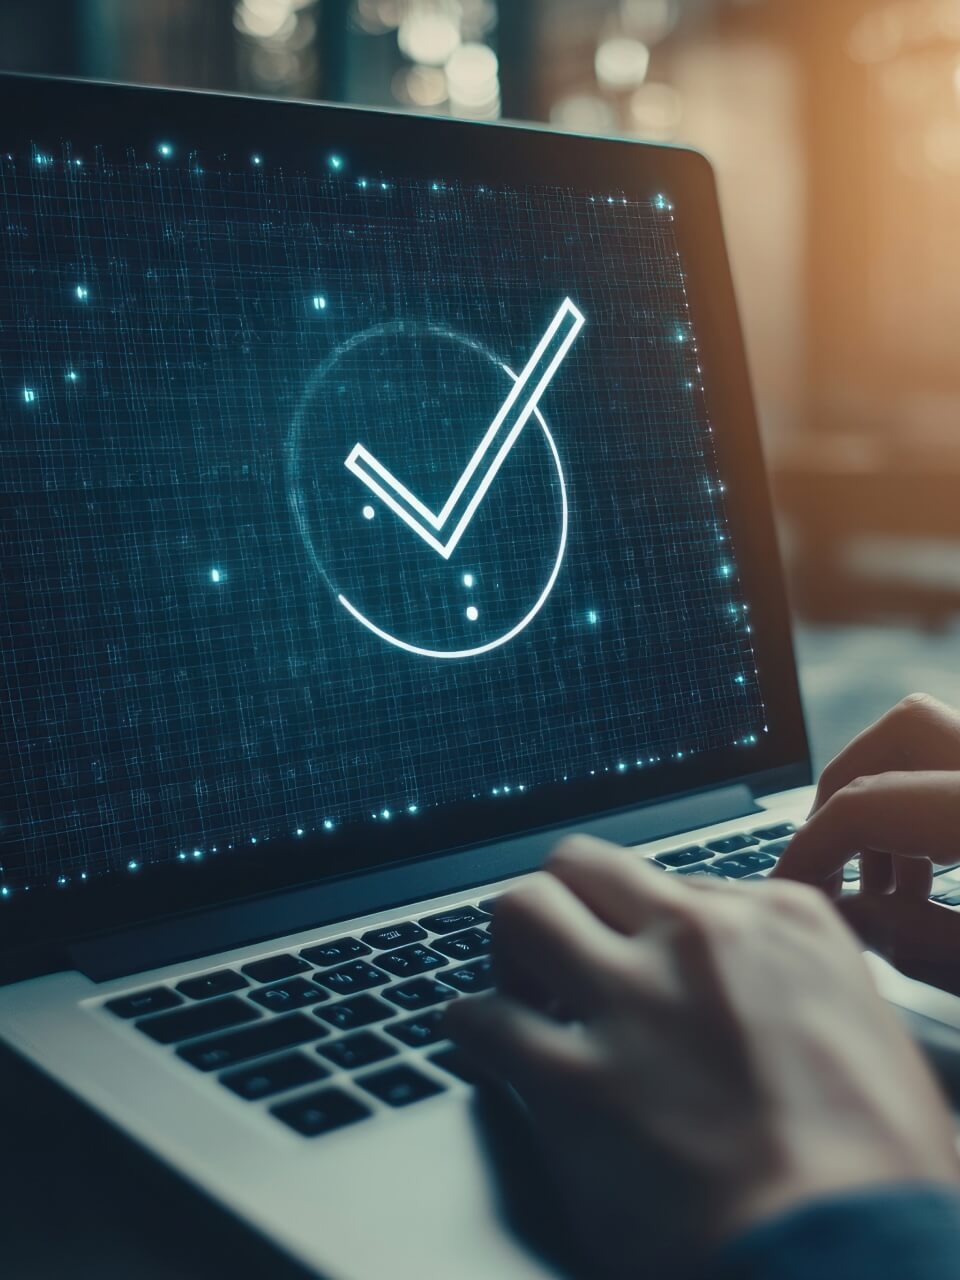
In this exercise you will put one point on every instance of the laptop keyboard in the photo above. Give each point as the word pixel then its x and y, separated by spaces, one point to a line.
pixel 329 1034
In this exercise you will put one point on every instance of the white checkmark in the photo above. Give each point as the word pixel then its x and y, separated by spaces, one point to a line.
pixel 481 470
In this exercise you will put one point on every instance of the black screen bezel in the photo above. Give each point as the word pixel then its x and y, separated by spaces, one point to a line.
pixel 45 112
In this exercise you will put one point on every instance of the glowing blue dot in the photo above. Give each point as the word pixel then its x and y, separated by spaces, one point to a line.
pixel 215 575
pixel 72 375
pixel 336 163
pixel 495 791
pixel 29 395
pixel 257 160
pixel 4 892
pixel 473 613
pixel 319 302
pixel 593 617
pixel 506 791
pixel 165 149
pixel 133 866
pixel 83 875
pixel 384 186
pixel 435 186
pixel 621 767
pixel 82 292
pixel 328 824
pixel 299 831
pixel 726 570
pixel 253 839
pixel 681 336
pixel 61 880
pixel 468 579
pixel 368 513
pixel 386 814
pixel 181 856
pixel 522 787
pixel 412 808
pixel 739 679
pixel 362 184
pixel 198 853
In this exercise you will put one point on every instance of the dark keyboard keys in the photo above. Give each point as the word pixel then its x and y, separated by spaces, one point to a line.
pixel 454 920
pixel 458 1064
pixel 346 1015
pixel 419 994
pixel 426 1028
pixel 400 1086
pixel 360 1050
pixel 275 1076
pixel 269 1037
pixel 284 997
pixel 700 870
pixel 745 864
pixel 731 844
pixel 209 985
pixel 321 1112
pixel 410 960
pixel 464 946
pixel 394 935
pixel 477 976
pixel 274 968
pixel 356 976
pixel 152 1000
pixel 200 1020
pixel 684 857
pixel 488 905
pixel 779 832
pixel 779 846
pixel 328 953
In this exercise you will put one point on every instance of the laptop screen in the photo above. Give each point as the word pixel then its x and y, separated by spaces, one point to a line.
pixel 340 499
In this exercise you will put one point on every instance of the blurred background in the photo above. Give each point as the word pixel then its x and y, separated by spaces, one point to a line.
pixel 834 126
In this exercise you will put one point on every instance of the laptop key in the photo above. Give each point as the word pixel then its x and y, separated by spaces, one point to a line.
pixel 684 857
pixel 426 1028
pixel 458 1064
pixel 321 1112
pixel 400 1086
pixel 411 960
pixel 346 1015
pixel 209 985
pixel 731 844
pixel 254 1042
pixel 275 1076
pixel 454 920
pixel 199 1020
pixel 464 946
pixel 394 935
pixel 360 1050
pixel 477 976
pixel 419 994
pixel 284 997
pixel 488 905
pixel 775 849
pixel 779 832
pixel 700 870
pixel 152 1000
pixel 329 953
pixel 356 976
pixel 745 864
pixel 274 968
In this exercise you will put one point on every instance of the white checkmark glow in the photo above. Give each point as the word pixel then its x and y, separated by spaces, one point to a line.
pixel 503 432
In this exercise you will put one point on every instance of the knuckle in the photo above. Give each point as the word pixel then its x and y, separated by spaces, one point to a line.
pixel 917 706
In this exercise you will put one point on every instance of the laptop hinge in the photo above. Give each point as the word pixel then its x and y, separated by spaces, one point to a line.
pixel 291 911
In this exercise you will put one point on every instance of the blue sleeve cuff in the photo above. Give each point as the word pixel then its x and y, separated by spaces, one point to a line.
pixel 911 1232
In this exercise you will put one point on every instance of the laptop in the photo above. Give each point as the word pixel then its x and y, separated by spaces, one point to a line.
pixel 382 499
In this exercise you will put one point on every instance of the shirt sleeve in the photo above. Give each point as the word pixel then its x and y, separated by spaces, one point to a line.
pixel 907 1232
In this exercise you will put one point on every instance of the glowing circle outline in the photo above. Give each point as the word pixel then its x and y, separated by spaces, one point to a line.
pixel 296 502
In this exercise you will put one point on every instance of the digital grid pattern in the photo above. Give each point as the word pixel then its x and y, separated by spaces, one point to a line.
pixel 187 355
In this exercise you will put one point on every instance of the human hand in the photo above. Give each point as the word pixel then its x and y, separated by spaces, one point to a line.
pixel 723 1056
pixel 893 796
